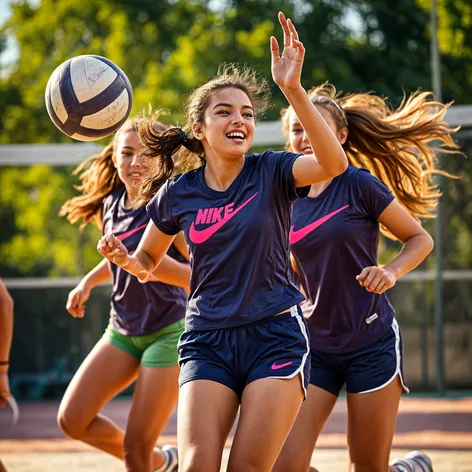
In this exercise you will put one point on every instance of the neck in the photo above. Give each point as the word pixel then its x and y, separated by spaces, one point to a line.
pixel 221 173
pixel 130 198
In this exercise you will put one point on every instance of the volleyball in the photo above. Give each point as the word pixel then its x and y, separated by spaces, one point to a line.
pixel 88 97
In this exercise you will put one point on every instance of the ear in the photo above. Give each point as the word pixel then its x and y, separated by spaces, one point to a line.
pixel 113 158
pixel 197 131
pixel 343 134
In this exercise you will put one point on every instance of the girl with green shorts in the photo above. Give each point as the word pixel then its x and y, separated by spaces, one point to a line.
pixel 146 319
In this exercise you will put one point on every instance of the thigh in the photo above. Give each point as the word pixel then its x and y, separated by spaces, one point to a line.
pixel 371 426
pixel 298 448
pixel 269 408
pixel 154 399
pixel 206 413
pixel 105 372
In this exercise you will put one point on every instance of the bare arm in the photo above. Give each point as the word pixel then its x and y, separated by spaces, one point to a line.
pixel 6 325
pixel 330 159
pixel 150 252
pixel 173 272
pixel 6 334
pixel 79 295
pixel 417 244
pixel 181 245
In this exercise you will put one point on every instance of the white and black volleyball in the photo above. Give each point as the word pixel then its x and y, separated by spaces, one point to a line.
pixel 88 97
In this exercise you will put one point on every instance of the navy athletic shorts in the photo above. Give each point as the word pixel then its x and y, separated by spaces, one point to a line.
pixel 363 371
pixel 275 347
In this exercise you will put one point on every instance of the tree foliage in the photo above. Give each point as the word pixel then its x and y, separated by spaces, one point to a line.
pixel 167 48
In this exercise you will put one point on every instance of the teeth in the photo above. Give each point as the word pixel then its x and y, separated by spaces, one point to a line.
pixel 235 135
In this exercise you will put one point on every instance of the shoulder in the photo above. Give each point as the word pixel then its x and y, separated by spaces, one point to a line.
pixel 273 158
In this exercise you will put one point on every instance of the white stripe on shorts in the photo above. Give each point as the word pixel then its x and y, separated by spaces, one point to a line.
pixel 294 313
pixel 398 369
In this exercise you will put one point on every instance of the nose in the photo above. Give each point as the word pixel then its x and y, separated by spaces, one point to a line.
pixel 238 119
pixel 136 161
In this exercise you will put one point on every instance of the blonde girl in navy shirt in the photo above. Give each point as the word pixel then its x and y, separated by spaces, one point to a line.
pixel 354 338
pixel 146 319
pixel 245 343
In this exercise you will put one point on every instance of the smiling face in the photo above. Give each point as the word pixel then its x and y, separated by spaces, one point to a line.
pixel 228 124
pixel 131 167
pixel 298 139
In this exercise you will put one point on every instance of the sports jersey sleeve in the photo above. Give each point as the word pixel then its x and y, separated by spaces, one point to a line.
pixel 160 211
pixel 374 195
pixel 281 164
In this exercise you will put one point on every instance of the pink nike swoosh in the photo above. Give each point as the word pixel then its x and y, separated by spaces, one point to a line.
pixel 296 236
pixel 280 366
pixel 123 236
pixel 199 237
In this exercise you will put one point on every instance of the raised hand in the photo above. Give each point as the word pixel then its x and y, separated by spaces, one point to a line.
pixel 287 68
pixel 376 279
pixel 113 249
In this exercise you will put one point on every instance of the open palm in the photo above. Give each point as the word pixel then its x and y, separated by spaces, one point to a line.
pixel 287 68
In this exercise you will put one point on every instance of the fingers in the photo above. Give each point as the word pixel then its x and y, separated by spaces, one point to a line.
pixel 274 50
pixel 111 247
pixel 375 279
pixel 285 28
pixel 292 29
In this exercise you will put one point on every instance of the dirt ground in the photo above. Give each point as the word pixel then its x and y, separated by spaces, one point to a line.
pixel 440 427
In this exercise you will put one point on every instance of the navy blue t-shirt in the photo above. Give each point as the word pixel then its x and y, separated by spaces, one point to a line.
pixel 136 308
pixel 237 238
pixel 333 237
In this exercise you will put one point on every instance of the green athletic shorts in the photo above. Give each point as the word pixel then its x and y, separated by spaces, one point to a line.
pixel 158 349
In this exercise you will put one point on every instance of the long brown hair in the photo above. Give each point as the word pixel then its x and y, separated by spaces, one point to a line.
pixel 165 144
pixel 399 146
pixel 99 179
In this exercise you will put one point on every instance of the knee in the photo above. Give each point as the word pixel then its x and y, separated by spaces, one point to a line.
pixel 291 463
pixel 137 452
pixel 70 425
pixel 192 461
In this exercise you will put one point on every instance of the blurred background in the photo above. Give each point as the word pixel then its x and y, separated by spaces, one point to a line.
pixel 167 48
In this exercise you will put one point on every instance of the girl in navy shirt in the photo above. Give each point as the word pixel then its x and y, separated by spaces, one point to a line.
pixel 355 339
pixel 245 342
pixel 146 319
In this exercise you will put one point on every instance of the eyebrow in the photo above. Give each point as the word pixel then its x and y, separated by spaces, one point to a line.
pixel 229 105
pixel 128 147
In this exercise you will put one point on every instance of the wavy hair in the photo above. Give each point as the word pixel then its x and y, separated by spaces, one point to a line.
pixel 399 146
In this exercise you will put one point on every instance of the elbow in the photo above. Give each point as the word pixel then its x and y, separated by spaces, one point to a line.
pixel 429 243
pixel 339 169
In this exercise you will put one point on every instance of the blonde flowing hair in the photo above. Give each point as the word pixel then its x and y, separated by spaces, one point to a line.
pixel 399 146
pixel 99 179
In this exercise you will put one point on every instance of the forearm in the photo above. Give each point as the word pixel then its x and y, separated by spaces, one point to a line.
pixel 98 275
pixel 326 147
pixel 140 264
pixel 173 272
pixel 6 330
pixel 414 251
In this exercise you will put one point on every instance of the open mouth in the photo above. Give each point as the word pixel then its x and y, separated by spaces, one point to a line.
pixel 237 136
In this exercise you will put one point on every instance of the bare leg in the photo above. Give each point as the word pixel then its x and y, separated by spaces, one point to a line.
pixel 298 449
pixel 154 399
pixel 206 413
pixel 105 372
pixel 371 426
pixel 269 408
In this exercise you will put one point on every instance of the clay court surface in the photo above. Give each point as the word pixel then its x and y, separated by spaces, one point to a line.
pixel 441 427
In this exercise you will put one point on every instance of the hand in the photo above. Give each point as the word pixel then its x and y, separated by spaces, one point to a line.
pixel 113 249
pixel 376 279
pixel 287 69
pixel 4 389
pixel 76 300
